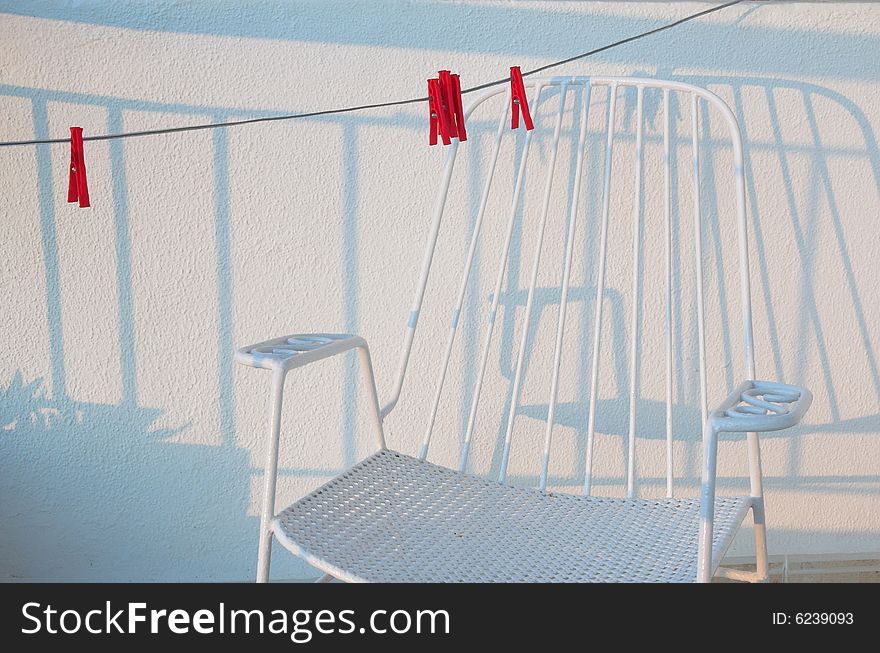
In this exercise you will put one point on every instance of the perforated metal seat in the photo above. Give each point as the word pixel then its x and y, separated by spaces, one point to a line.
pixel 397 518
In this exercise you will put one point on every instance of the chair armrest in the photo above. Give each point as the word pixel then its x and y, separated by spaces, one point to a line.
pixel 754 406
pixel 288 352
pixel 282 355
pixel 761 406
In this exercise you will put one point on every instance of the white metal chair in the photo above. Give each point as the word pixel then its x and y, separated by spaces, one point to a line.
pixel 393 517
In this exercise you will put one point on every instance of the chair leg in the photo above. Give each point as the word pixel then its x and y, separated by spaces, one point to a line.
pixel 762 567
pixel 271 473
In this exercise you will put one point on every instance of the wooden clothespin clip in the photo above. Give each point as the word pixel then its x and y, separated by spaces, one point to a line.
pixel 77 187
pixel 519 101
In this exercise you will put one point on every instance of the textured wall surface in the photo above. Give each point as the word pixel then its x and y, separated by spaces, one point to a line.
pixel 131 447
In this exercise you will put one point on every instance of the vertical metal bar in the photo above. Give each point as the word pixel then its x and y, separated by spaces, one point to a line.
pixel 369 380
pixel 566 276
pixel 530 301
pixel 698 257
pixel 465 276
pixel 707 504
pixel 499 281
pixel 710 443
pixel 710 436
pixel 270 472
pixel 427 258
pixel 667 197
pixel 762 565
pixel 634 321
pixel 600 286
pixel 756 484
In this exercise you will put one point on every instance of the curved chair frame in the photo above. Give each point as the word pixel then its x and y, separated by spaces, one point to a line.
pixel 753 407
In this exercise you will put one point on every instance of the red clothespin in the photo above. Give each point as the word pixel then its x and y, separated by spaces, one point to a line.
pixel 77 187
pixel 439 124
pixel 451 85
pixel 444 104
pixel 519 100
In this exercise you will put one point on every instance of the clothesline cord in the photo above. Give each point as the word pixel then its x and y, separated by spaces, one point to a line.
pixel 377 105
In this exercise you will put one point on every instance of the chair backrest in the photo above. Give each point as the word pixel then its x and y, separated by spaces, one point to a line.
pixel 533 185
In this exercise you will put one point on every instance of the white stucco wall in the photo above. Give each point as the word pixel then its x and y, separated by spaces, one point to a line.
pixel 131 447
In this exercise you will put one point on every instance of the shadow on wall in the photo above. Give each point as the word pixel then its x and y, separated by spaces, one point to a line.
pixel 142 498
pixel 144 501
pixel 804 223
pixel 184 492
